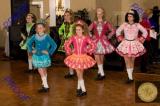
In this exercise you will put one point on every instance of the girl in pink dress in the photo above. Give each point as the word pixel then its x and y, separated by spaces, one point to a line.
pixel 131 46
pixel 102 31
pixel 77 57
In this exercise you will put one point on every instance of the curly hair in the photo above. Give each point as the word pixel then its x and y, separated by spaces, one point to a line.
pixel 71 14
pixel 84 27
pixel 135 16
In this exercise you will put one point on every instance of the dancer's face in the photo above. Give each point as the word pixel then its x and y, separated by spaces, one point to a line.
pixel 130 18
pixel 40 29
pixel 99 13
pixel 29 19
pixel 67 17
pixel 79 31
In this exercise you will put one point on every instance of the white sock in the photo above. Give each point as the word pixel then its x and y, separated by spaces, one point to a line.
pixel 100 69
pixel 131 69
pixel 82 85
pixel 130 72
pixel 71 71
pixel 44 82
pixel 30 64
pixel 78 86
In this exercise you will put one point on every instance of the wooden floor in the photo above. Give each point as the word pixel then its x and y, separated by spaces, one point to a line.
pixel 110 92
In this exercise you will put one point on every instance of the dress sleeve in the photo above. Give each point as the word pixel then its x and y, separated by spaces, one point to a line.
pixel 67 45
pixel 110 27
pixel 61 30
pixel 33 30
pixel 144 33
pixel 91 27
pixel 143 30
pixel 70 31
pixel 30 44
pixel 91 47
pixel 53 45
pixel 23 31
pixel 119 32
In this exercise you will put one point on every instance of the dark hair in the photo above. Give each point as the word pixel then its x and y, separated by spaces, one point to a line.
pixel 155 10
pixel 135 16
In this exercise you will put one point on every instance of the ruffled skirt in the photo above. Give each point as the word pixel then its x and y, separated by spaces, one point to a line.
pixel 82 61
pixel 104 47
pixel 42 61
pixel 130 48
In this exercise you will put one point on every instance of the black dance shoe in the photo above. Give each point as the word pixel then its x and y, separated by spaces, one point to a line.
pixel 79 91
pixel 82 93
pixel 43 90
pixel 99 77
pixel 29 71
pixel 35 71
pixel 129 81
pixel 69 76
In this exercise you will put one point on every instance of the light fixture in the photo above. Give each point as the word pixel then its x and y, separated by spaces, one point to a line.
pixel 59 7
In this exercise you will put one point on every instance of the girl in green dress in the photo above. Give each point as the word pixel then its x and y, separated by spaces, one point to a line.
pixel 26 33
pixel 65 32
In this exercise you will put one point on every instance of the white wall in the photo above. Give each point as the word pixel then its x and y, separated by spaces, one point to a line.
pixel 5 11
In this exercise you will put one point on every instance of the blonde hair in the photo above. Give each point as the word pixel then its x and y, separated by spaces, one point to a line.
pixel 104 14
pixel 71 14
pixel 32 16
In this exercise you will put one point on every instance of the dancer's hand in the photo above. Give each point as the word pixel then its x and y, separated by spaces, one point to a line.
pixel 45 52
pixel 23 37
pixel 33 51
pixel 120 38
pixel 141 39
pixel 62 38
